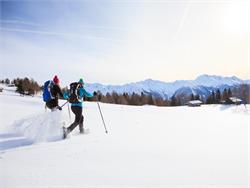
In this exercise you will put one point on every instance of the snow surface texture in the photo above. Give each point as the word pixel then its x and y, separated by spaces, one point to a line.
pixel 147 146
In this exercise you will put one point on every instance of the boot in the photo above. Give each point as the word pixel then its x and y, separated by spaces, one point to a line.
pixel 65 132
pixel 81 128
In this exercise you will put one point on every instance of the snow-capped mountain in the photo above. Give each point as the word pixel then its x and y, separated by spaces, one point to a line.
pixel 216 81
pixel 202 85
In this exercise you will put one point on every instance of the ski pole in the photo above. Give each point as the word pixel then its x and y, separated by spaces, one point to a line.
pixel 102 117
pixel 69 113
pixel 64 104
pixel 68 108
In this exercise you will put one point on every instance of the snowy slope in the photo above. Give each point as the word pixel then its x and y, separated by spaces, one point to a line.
pixel 167 89
pixel 146 146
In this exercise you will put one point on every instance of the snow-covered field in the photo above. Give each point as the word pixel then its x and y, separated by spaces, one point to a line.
pixel 146 146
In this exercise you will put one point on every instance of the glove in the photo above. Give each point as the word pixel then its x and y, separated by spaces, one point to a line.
pixel 95 93
pixel 59 108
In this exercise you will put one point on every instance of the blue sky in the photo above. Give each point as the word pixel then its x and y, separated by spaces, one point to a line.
pixel 115 42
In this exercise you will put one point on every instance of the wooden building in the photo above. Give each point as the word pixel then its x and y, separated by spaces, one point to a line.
pixel 235 100
pixel 194 103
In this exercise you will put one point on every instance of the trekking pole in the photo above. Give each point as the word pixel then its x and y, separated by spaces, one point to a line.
pixel 64 104
pixel 68 108
pixel 102 117
pixel 69 113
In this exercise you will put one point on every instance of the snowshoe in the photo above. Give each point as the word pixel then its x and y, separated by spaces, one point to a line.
pixel 81 130
pixel 65 133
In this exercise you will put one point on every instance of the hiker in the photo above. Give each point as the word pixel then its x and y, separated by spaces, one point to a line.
pixel 51 93
pixel 75 97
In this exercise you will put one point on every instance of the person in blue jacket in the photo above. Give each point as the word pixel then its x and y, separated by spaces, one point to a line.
pixel 76 108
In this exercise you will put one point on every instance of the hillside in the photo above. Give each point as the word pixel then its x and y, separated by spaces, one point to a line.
pixel 146 146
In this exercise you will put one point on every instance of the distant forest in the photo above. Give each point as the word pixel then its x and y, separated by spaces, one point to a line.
pixel 27 86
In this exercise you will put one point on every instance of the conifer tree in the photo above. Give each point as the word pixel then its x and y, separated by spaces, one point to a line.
pixel 197 97
pixel 217 97
pixel 225 95
pixel 229 93
pixel 7 81
pixel 151 100
pixel 192 97
pixel 173 101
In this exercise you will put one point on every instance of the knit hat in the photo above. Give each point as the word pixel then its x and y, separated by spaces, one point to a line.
pixel 56 79
pixel 81 81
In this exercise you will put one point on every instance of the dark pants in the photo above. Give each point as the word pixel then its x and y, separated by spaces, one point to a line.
pixel 77 110
pixel 52 103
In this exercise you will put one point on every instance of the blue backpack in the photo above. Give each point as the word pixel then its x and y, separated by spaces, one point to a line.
pixel 47 96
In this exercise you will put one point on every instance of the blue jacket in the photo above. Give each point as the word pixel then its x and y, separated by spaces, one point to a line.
pixel 82 93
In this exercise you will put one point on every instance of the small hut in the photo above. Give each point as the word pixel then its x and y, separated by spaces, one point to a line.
pixel 235 100
pixel 11 85
pixel 194 103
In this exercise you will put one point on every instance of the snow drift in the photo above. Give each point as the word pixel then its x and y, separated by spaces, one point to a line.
pixel 43 127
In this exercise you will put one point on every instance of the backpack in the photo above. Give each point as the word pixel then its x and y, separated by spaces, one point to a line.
pixel 47 87
pixel 74 92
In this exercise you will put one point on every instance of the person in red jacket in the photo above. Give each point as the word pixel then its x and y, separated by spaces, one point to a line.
pixel 55 92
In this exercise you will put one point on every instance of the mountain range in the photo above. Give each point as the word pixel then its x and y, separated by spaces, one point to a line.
pixel 203 85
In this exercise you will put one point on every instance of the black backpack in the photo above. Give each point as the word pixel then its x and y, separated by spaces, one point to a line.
pixel 74 92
